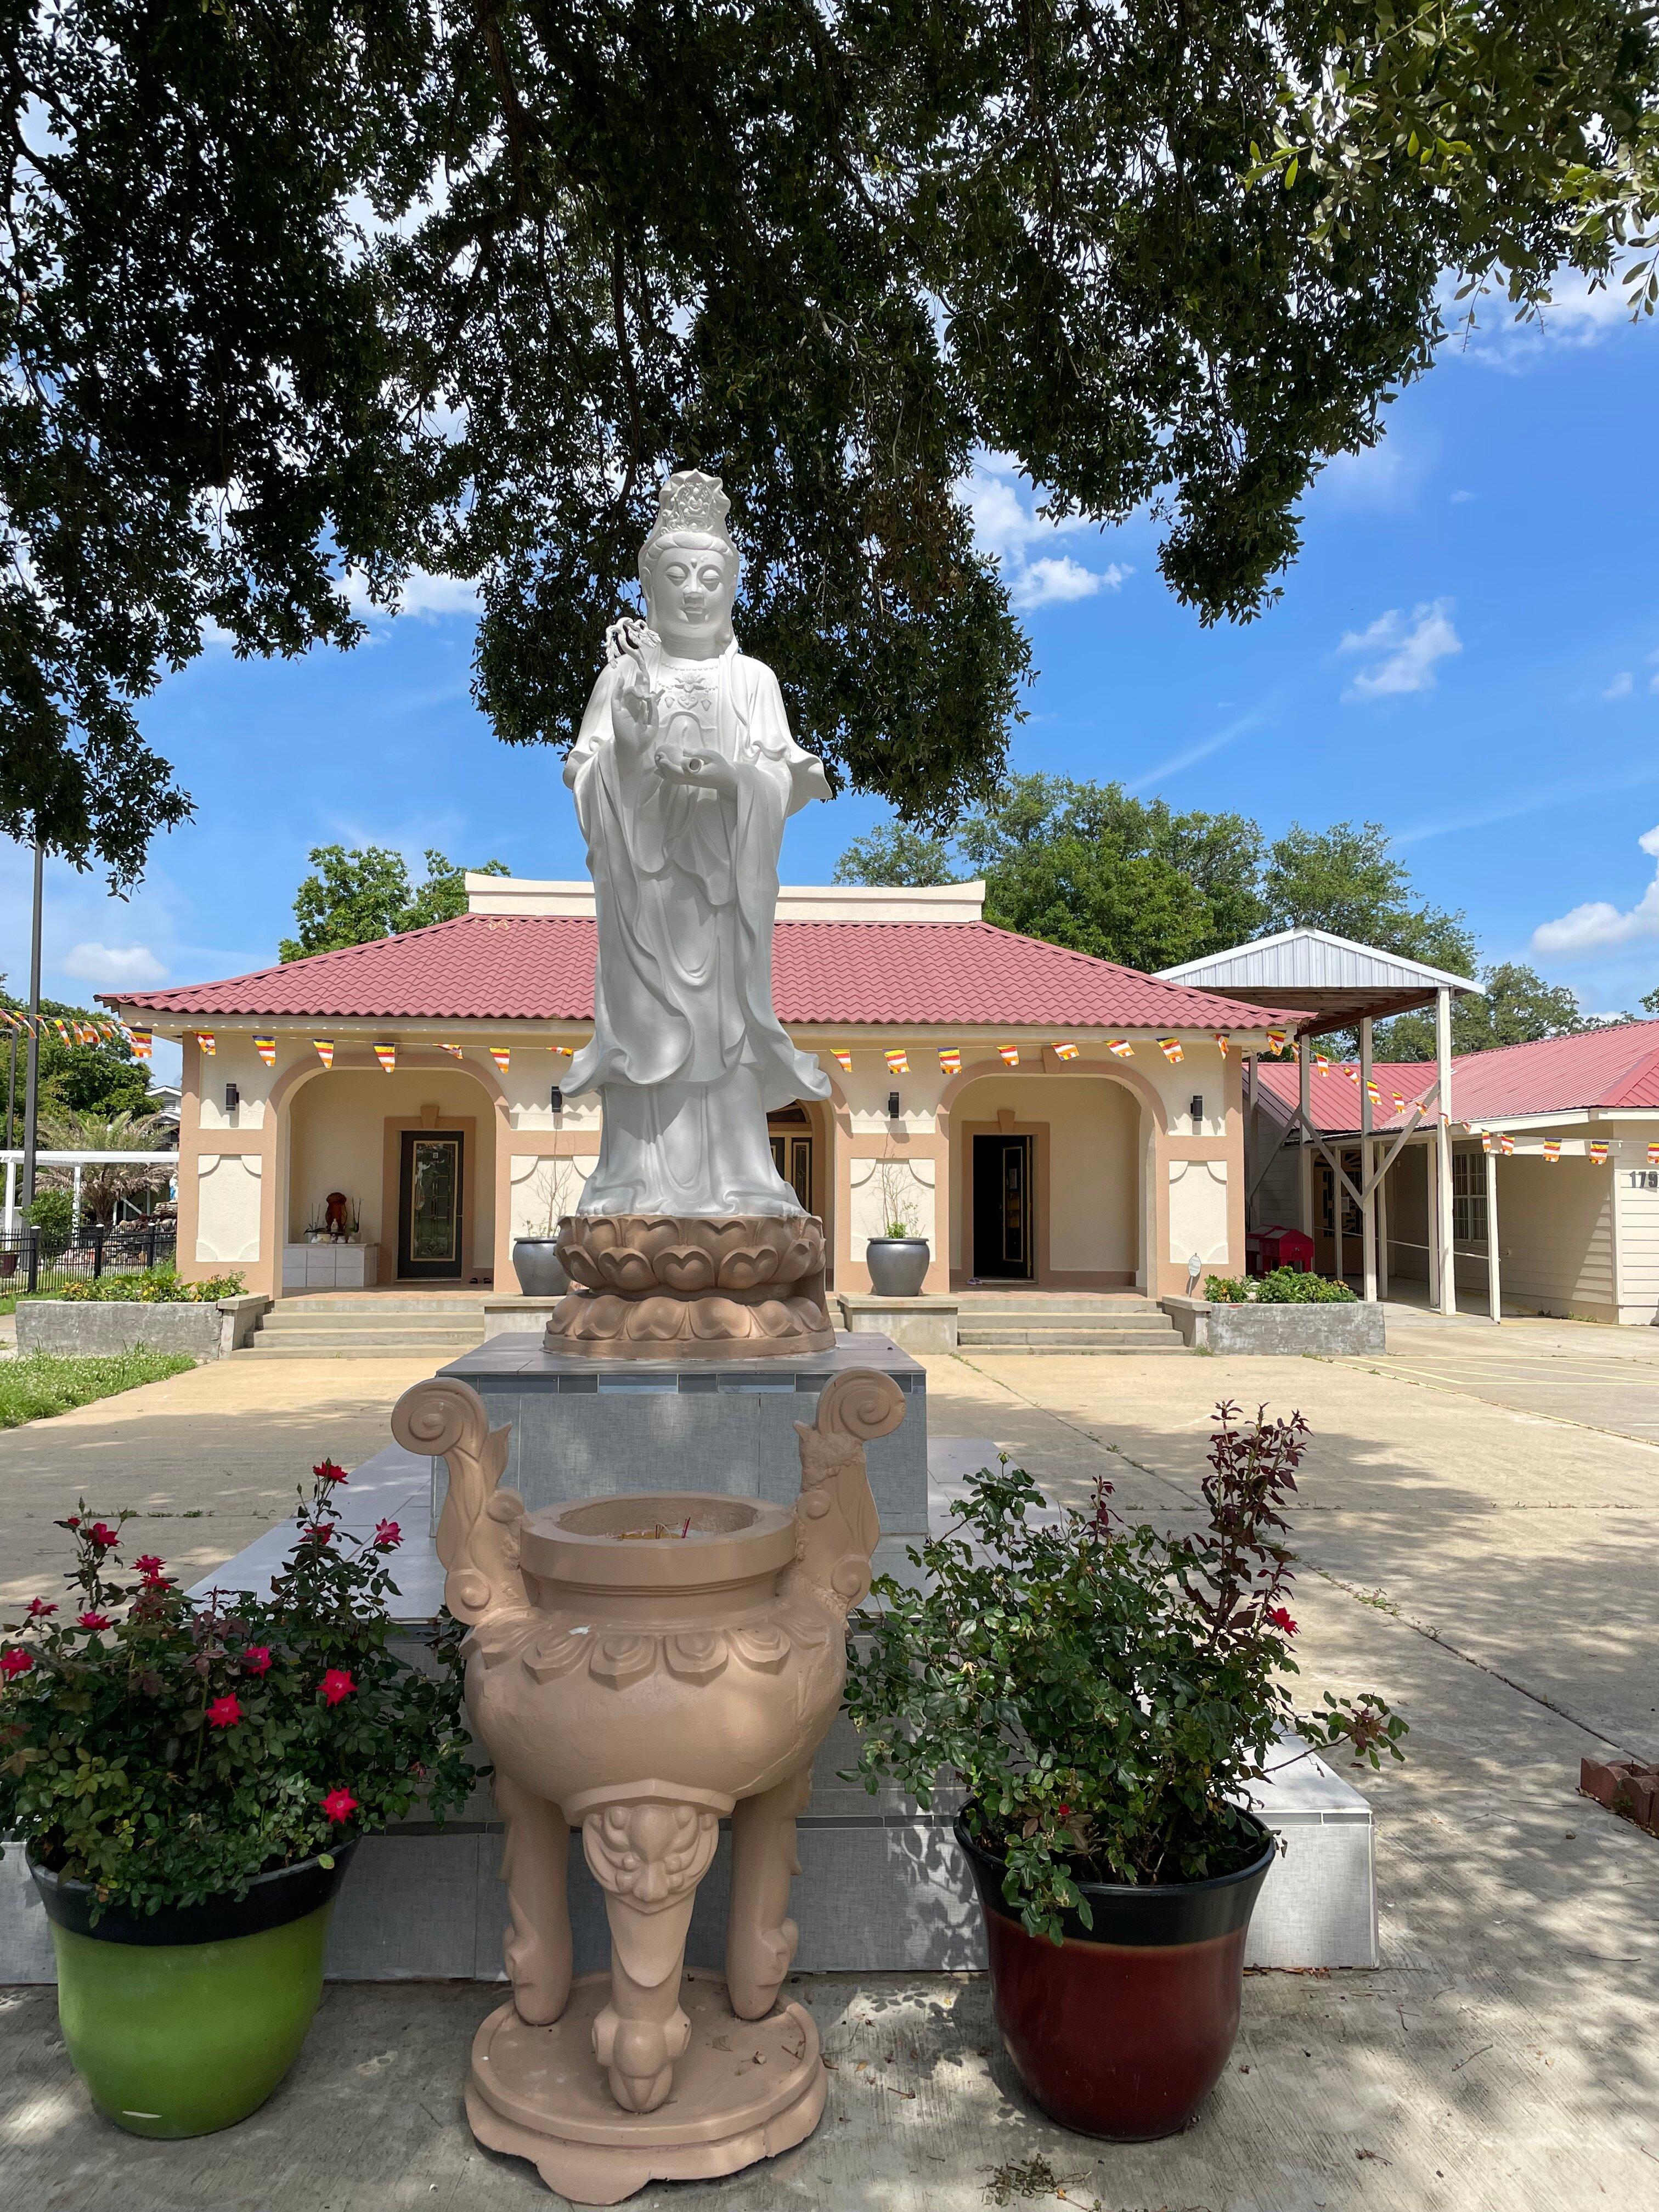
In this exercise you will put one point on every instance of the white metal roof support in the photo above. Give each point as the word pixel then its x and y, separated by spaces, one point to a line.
pixel 1367 1161
pixel 1381 1203
pixel 1443 1054
pixel 1304 1095
pixel 1494 1296
pixel 11 1194
pixel 1432 1211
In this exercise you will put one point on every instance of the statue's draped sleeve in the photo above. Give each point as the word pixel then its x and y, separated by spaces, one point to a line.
pixel 686 886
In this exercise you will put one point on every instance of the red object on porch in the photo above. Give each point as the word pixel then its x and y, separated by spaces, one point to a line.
pixel 1267 1248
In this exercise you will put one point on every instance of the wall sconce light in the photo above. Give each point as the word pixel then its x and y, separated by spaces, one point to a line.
pixel 892 1106
pixel 1197 1108
pixel 233 1098
pixel 555 1100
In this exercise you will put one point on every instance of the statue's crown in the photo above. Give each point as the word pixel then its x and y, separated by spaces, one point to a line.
pixel 691 500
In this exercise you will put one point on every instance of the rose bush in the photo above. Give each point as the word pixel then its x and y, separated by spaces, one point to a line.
pixel 165 1750
pixel 1101 1694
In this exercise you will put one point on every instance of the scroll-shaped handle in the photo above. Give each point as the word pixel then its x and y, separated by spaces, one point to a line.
pixel 836 1512
pixel 478 1529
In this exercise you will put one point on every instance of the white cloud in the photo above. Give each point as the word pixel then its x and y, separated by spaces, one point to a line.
pixel 134 966
pixel 1621 686
pixel 1409 652
pixel 428 598
pixel 1575 317
pixel 1007 526
pixel 1599 924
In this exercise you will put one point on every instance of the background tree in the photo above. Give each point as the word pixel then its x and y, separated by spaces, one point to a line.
pixel 103 1184
pixel 106 1078
pixel 356 897
pixel 294 287
pixel 1519 1008
pixel 1345 879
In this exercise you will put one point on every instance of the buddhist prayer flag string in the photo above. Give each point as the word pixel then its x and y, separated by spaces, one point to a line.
pixel 898 1063
pixel 453 1050
pixel 1598 1152
pixel 1552 1150
pixel 950 1063
pixel 1222 1044
pixel 204 1042
pixel 142 1041
pixel 266 1049
pixel 387 1056
pixel 843 1059
pixel 1653 1156
pixel 502 1056
pixel 324 1048
pixel 1485 1140
pixel 1009 1054
pixel 1373 1093
pixel 1506 1146
pixel 1170 1048
pixel 1066 1052
pixel 1276 1040
pixel 1322 1063
pixel 1120 1048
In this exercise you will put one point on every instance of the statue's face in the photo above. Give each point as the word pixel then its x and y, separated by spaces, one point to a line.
pixel 690 598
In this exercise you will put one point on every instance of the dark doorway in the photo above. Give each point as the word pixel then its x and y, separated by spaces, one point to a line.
pixel 431 1168
pixel 791 1151
pixel 1003 1241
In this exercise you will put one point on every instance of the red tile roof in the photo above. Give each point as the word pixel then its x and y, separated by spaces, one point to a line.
pixel 1607 1068
pixel 828 973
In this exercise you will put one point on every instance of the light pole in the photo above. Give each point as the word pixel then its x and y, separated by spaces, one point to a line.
pixel 32 1084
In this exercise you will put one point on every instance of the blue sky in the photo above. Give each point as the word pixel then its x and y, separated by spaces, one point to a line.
pixel 1467 651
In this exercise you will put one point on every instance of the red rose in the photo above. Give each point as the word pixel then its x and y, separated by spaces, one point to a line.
pixel 17 1661
pixel 224 1712
pixel 320 1531
pixel 148 1565
pixel 1281 1619
pixel 335 1685
pixel 328 1472
pixel 339 1805
pixel 257 1659
pixel 388 1535
pixel 92 1620
pixel 39 1608
pixel 103 1536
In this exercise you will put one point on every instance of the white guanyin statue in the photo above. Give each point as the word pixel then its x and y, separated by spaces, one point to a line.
pixel 684 773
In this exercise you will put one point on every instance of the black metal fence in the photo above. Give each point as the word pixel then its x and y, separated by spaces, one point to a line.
pixel 47 1259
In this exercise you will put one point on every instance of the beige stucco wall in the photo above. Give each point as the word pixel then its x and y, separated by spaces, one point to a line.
pixel 338 1143
pixel 1094 1144
pixel 228 1193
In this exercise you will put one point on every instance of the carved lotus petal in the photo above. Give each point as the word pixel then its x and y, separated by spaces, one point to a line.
pixel 744 1271
pixel 621 1659
pixel 627 1271
pixel 765 1645
pixel 696 1655
pixel 498 1637
pixel 556 1655
pixel 685 1268
pixel 653 1321
pixel 807 1626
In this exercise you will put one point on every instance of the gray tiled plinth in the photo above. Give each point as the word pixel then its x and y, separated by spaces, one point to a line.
pixel 584 1428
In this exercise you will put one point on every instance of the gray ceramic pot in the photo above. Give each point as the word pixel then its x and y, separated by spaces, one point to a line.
pixel 537 1264
pixel 896 1265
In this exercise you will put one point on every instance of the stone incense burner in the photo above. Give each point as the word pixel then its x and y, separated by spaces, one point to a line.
pixel 641 1668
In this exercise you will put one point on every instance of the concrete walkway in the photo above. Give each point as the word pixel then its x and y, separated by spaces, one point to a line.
pixel 1486 1566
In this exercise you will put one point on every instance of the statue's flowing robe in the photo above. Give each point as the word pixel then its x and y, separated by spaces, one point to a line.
pixel 687 1052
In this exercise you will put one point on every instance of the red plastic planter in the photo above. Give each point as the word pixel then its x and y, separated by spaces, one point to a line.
pixel 1121 2031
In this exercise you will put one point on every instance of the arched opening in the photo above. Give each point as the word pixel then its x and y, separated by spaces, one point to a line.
pixel 1046 1183
pixel 803 1154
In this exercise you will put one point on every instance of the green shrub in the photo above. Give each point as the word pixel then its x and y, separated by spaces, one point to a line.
pixel 52 1212
pixel 1285 1286
pixel 154 1287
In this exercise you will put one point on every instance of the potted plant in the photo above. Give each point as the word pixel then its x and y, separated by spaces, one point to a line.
pixel 1103 1696
pixel 897 1258
pixel 189 1781
pixel 536 1260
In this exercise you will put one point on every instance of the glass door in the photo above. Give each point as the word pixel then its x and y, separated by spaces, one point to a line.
pixel 429 1186
pixel 1003 1242
pixel 793 1157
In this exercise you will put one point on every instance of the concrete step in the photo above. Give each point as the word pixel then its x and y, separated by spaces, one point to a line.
pixel 1113 1351
pixel 356 1305
pixel 406 1324
pixel 421 1348
pixel 327 1340
pixel 1091 1302
pixel 1024 1317
pixel 1014 1340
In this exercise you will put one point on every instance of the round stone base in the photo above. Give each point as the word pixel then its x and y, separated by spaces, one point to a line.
pixel 675 1286
pixel 745 2090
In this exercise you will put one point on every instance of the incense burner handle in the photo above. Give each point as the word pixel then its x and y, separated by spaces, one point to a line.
pixel 478 1530
pixel 836 1512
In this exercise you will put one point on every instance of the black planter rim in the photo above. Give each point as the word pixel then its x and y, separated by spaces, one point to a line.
pixel 1146 1915
pixel 272 1900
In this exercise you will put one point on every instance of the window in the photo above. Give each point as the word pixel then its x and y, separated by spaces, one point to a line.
pixel 1469 1197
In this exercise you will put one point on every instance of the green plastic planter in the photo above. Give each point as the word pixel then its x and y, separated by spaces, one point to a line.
pixel 183 2023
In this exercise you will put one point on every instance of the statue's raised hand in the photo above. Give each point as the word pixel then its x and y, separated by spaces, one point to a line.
pixel 633 709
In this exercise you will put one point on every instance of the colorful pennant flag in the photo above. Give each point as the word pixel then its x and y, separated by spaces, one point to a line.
pixel 142 1041
pixel 1223 1044
pixel 1010 1053
pixel 453 1050
pixel 387 1056
pixel 1552 1150
pixel 950 1063
pixel 1322 1063
pixel 1506 1146
pixel 1373 1094
pixel 1653 1156
pixel 1170 1048
pixel 1120 1048
pixel 1276 1040
pixel 1598 1152
pixel 843 1059
pixel 1400 1102
pixel 266 1049
pixel 204 1042
pixel 898 1063
pixel 325 1050
pixel 1066 1052
pixel 1485 1140
pixel 502 1056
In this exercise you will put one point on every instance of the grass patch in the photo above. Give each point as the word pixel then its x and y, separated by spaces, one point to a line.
pixel 45 1382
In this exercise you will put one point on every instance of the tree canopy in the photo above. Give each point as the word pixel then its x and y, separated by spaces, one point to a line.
pixel 1519 1008
pixel 352 897
pixel 292 288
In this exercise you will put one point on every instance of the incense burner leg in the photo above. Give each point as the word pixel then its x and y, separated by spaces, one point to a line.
pixel 648 1857
pixel 536 1946
pixel 760 1944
